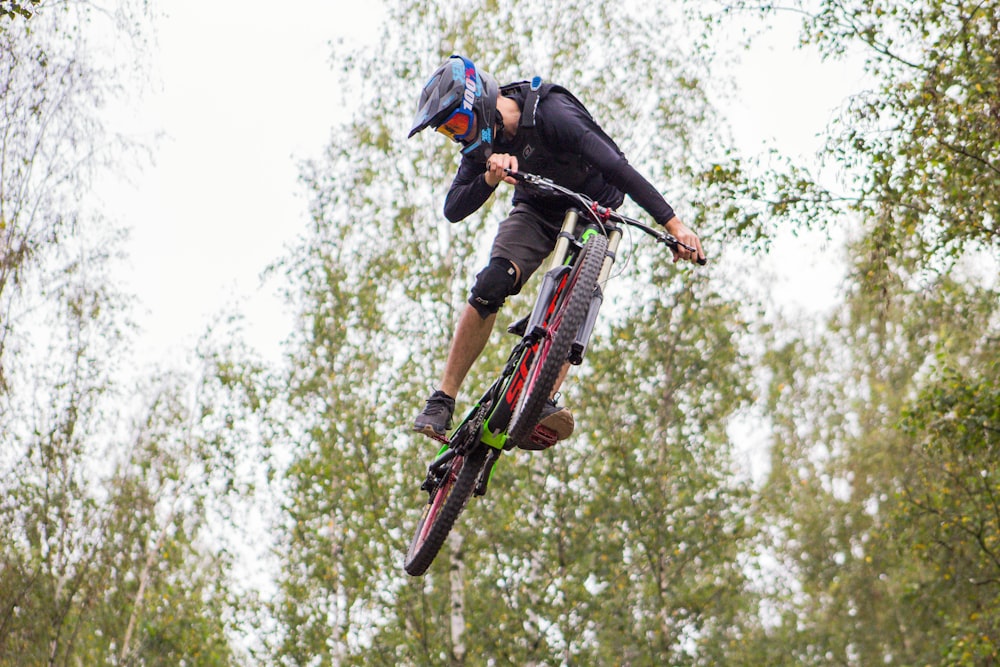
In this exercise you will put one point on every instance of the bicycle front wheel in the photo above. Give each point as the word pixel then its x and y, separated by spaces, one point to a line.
pixel 446 503
pixel 568 314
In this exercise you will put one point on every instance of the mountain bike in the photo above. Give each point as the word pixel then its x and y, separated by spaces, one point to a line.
pixel 554 334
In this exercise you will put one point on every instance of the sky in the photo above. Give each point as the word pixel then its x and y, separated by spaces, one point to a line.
pixel 243 92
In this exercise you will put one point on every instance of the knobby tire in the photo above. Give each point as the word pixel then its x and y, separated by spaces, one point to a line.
pixel 555 347
pixel 441 513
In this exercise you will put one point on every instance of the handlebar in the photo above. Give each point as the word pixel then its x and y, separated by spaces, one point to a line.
pixel 600 213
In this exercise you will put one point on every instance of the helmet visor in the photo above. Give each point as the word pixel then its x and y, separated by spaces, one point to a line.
pixel 458 126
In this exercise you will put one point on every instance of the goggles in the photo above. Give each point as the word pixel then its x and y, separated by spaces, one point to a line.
pixel 459 125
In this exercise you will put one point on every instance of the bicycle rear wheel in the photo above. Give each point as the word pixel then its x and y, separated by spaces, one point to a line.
pixel 572 304
pixel 446 503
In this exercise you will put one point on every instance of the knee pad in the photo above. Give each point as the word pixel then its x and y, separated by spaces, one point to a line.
pixel 493 285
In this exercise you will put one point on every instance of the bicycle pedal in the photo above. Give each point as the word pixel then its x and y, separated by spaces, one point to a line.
pixel 541 438
pixel 518 328
pixel 434 436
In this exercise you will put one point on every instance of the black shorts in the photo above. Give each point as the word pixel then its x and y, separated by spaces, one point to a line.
pixel 526 238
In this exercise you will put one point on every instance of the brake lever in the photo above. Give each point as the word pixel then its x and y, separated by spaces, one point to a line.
pixel 516 175
pixel 671 241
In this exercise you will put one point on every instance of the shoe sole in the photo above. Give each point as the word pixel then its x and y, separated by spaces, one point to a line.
pixel 561 423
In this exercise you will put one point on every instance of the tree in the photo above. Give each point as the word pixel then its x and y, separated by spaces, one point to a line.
pixel 927 141
pixel 52 139
pixel 881 486
pixel 105 556
pixel 100 557
pixel 378 282
pixel 948 515
pixel 10 8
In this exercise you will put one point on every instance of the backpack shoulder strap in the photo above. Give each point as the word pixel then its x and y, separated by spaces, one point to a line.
pixel 531 103
pixel 534 91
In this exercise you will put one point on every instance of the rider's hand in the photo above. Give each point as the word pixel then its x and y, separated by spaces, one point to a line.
pixel 495 166
pixel 681 232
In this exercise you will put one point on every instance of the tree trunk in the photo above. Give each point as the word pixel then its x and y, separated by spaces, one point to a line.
pixel 457 598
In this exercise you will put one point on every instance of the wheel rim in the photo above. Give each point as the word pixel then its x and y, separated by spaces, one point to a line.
pixel 434 507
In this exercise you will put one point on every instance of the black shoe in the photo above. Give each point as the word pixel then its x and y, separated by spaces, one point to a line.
pixel 435 420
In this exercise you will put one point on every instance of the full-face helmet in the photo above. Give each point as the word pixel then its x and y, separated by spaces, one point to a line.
pixel 460 102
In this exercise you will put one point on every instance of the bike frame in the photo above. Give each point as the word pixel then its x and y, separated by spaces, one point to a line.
pixel 501 398
pixel 486 424
pixel 554 281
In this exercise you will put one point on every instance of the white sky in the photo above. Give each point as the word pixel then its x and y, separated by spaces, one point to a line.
pixel 246 93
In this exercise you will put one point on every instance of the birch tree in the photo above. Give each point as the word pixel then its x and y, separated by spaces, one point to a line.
pixel 882 486
pixel 378 281
pixel 105 554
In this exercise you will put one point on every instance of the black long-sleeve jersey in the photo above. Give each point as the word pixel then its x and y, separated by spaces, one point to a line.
pixel 566 145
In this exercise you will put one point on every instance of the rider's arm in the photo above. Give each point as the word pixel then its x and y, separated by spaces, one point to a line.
pixel 623 176
pixel 569 126
pixel 468 191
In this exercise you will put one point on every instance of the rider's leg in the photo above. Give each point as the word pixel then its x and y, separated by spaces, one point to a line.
pixel 493 285
pixel 524 239
pixel 471 336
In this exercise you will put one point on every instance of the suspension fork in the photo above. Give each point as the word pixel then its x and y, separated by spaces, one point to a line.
pixel 614 238
pixel 553 277
pixel 579 347
pixel 558 269
pixel 566 236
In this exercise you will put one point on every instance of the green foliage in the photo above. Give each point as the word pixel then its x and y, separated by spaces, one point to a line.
pixel 922 145
pixel 847 488
pixel 103 554
pixel 937 161
pixel 99 557
pixel 752 196
pixel 881 493
pixel 949 514
pixel 11 8
pixel 669 520
pixel 378 282
pixel 54 139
